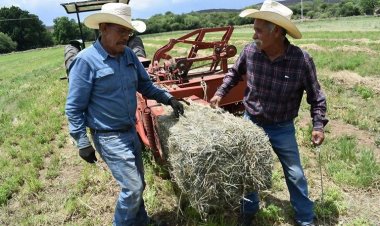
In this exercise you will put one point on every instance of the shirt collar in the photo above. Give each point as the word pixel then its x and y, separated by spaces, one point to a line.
pixel 100 49
pixel 286 54
pixel 288 50
pixel 103 53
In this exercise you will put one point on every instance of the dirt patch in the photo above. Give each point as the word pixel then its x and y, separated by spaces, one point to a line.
pixel 338 128
pixel 351 79
pixel 358 203
pixel 363 205
pixel 345 48
pixel 354 49
pixel 364 138
pixel 358 40
pixel 313 46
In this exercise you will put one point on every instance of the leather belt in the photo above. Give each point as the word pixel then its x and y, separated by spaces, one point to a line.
pixel 110 131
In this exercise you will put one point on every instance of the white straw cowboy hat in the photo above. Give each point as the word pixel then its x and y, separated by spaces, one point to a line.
pixel 276 13
pixel 116 13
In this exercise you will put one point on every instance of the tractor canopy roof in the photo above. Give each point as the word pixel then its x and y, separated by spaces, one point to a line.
pixel 87 6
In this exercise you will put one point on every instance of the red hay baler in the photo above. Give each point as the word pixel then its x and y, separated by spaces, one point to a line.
pixel 187 78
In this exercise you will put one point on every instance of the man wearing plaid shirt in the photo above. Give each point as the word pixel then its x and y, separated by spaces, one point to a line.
pixel 277 74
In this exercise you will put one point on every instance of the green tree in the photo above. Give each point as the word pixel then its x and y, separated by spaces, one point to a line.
pixel 24 28
pixel 316 5
pixel 155 24
pixel 332 10
pixel 172 22
pixel 88 33
pixel 192 22
pixel 6 43
pixel 65 30
pixel 348 8
pixel 368 6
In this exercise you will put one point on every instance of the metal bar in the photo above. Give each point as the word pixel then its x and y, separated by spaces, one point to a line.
pixel 80 28
pixel 318 149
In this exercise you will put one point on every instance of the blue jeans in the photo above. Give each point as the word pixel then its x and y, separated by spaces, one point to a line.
pixel 122 153
pixel 283 140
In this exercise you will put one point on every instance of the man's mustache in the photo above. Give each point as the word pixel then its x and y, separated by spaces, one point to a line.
pixel 122 42
pixel 257 42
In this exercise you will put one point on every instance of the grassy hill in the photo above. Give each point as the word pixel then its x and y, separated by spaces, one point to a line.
pixel 218 10
pixel 292 2
pixel 43 181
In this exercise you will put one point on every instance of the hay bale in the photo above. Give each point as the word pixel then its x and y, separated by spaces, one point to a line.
pixel 215 158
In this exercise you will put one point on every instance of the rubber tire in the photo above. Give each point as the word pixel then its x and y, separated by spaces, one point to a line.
pixel 69 55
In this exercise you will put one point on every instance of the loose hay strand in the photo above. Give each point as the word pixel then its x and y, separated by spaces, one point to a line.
pixel 215 158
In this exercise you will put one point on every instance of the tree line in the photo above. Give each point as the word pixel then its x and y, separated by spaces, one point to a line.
pixel 317 9
pixel 20 30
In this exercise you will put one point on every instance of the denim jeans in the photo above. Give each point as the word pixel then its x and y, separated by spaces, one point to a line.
pixel 122 153
pixel 283 140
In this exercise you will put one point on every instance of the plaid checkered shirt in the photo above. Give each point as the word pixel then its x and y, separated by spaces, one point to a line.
pixel 275 88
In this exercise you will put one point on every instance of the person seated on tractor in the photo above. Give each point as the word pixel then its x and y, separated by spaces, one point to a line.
pixel 136 44
pixel 104 79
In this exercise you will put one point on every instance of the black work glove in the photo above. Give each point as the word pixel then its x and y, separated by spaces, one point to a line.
pixel 88 154
pixel 177 106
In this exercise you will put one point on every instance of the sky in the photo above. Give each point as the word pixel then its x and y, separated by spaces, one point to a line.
pixel 47 10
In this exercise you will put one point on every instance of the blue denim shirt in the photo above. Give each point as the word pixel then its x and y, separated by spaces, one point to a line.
pixel 102 91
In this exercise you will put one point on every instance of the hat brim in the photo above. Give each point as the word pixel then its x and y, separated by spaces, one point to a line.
pixel 275 18
pixel 93 21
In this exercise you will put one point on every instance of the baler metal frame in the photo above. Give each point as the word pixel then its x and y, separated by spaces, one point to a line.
pixel 177 78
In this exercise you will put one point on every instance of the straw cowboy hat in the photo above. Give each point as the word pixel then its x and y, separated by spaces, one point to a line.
pixel 276 13
pixel 116 13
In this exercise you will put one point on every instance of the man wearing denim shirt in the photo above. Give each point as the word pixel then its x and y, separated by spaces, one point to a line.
pixel 104 79
pixel 277 75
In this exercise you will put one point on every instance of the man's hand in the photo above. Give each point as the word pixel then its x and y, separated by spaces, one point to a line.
pixel 177 106
pixel 88 154
pixel 153 67
pixel 215 100
pixel 317 137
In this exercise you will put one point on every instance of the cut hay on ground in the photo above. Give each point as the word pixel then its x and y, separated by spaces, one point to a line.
pixel 215 158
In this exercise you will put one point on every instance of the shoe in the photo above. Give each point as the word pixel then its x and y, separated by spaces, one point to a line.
pixel 299 223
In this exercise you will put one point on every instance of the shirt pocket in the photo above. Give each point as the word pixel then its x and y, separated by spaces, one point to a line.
pixel 289 85
pixel 105 80
pixel 131 77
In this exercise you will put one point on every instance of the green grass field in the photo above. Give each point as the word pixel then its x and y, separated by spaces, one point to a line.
pixel 44 182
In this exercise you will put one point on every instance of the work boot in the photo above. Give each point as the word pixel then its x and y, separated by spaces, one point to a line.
pixel 299 223
pixel 245 219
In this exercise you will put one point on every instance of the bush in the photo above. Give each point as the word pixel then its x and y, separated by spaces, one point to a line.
pixel 310 14
pixel 349 9
pixel 6 44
